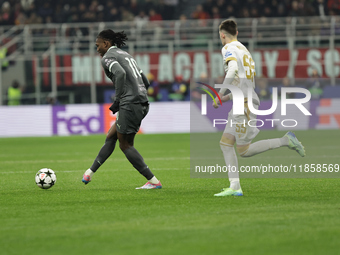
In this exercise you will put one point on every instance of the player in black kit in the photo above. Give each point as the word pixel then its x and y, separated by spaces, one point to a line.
pixel 131 104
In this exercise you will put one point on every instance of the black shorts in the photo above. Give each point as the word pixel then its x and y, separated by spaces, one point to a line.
pixel 129 117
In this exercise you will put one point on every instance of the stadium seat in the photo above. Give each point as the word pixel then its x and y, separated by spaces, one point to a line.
pixel 331 91
pixel 300 95
pixel 108 95
pixel 164 94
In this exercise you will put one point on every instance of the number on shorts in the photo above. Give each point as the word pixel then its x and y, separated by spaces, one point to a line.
pixel 240 129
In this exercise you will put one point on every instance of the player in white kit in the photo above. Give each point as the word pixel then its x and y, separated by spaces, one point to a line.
pixel 240 72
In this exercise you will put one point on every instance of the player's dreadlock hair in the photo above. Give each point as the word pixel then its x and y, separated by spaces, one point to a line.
pixel 117 39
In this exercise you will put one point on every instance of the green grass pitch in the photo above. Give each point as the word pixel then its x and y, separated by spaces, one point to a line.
pixel 108 216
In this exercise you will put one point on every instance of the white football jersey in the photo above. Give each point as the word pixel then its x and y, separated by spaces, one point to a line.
pixel 245 77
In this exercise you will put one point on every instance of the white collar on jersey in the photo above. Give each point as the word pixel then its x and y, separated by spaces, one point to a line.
pixel 112 47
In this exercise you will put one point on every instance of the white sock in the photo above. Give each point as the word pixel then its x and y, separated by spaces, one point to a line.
pixel 230 159
pixel 235 183
pixel 264 145
pixel 284 141
pixel 154 180
pixel 89 172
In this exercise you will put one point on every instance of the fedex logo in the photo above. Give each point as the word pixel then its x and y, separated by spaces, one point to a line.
pixel 82 119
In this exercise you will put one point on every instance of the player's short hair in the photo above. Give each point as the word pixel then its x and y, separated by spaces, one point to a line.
pixel 114 38
pixel 229 26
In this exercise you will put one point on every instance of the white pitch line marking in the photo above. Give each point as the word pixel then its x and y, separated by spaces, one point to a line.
pixel 81 170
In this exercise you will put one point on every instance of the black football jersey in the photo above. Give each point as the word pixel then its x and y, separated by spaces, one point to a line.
pixel 116 62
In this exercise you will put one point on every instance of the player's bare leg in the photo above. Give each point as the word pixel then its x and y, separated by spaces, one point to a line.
pixel 126 142
pixel 104 153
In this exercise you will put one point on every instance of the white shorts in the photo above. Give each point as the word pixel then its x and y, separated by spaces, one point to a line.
pixel 238 126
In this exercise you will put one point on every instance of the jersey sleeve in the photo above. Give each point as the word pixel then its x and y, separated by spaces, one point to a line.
pixel 108 62
pixel 111 65
pixel 228 54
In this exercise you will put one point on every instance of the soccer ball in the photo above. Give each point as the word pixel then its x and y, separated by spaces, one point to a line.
pixel 45 178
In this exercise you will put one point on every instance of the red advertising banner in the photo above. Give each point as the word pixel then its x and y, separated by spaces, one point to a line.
pixel 165 67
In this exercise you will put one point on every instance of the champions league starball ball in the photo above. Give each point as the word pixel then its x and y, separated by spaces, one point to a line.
pixel 45 178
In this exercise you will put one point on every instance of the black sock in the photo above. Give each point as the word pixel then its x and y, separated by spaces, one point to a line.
pixel 104 153
pixel 138 162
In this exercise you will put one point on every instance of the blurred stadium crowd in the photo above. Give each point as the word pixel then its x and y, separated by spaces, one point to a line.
pixel 218 9
pixel 17 12
pixel 20 12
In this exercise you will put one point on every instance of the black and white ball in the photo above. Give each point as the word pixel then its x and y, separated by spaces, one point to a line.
pixel 45 178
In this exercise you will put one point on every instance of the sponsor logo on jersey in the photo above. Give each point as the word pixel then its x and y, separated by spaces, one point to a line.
pixel 108 61
pixel 228 54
